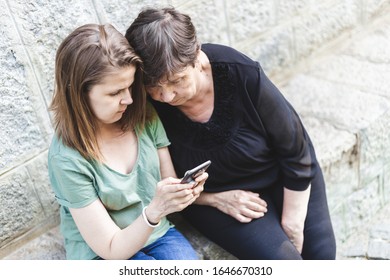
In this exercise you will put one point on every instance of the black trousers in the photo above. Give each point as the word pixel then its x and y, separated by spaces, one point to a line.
pixel 264 238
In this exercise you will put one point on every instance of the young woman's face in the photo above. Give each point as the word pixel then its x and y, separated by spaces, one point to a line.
pixel 176 89
pixel 110 98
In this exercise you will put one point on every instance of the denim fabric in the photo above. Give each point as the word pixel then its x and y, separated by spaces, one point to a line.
pixel 172 246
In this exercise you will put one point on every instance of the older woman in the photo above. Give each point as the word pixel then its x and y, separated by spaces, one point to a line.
pixel 265 197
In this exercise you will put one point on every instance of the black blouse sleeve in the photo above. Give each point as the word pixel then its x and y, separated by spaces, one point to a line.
pixel 285 132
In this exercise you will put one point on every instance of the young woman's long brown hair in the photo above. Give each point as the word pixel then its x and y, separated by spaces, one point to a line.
pixel 86 56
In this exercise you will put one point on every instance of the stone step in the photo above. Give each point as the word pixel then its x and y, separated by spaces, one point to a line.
pixel 372 241
pixel 50 246
pixel 344 102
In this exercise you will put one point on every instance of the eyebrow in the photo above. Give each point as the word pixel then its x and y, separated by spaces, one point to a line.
pixel 181 75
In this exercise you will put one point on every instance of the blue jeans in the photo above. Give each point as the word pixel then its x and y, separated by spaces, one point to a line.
pixel 172 246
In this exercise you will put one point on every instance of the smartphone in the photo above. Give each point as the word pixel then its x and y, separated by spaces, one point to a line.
pixel 190 175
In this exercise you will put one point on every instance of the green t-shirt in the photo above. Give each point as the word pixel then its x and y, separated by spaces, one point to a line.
pixel 78 182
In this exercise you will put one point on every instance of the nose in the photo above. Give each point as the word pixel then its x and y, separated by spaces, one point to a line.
pixel 126 97
pixel 166 94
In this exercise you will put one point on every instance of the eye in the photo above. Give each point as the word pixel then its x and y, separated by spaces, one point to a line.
pixel 177 81
pixel 152 89
pixel 115 93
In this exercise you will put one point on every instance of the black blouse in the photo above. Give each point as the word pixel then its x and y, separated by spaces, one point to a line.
pixel 254 137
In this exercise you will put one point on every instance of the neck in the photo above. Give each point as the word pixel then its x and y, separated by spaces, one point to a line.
pixel 109 131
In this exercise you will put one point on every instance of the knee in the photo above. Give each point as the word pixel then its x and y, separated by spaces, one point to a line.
pixel 325 249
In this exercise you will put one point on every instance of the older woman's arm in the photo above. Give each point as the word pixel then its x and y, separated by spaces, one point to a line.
pixel 294 215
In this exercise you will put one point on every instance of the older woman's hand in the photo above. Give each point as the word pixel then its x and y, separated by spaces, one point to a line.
pixel 244 206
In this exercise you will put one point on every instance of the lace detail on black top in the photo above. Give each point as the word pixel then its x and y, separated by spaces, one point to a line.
pixel 219 129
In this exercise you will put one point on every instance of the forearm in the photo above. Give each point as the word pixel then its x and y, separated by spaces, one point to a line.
pixel 206 199
pixel 295 205
pixel 127 242
pixel 104 237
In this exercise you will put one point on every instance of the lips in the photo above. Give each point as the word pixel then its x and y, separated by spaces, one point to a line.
pixel 122 111
pixel 174 102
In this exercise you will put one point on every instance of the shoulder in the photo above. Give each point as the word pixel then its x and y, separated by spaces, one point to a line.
pixel 62 156
pixel 225 54
pixel 154 129
pixel 153 120
pixel 58 148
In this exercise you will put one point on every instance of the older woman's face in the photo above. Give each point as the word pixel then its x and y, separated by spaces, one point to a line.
pixel 176 89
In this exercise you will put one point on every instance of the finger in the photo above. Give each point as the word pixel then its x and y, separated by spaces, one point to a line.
pixel 252 214
pixel 175 187
pixel 202 177
pixel 182 203
pixel 170 181
pixel 242 218
pixel 255 197
pixel 197 189
pixel 182 194
pixel 256 207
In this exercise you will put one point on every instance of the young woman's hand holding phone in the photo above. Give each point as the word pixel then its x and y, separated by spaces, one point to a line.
pixel 173 195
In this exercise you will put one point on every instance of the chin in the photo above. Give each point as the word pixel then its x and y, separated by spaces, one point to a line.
pixel 177 102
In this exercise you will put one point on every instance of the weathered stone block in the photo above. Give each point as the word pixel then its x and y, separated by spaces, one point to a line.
pixel 324 24
pixel 345 107
pixel 42 26
pixel 386 184
pixel 381 231
pixel 379 250
pixel 336 153
pixel 249 19
pixel 209 19
pixel 23 129
pixel 375 150
pixel 48 246
pixel 38 174
pixel 274 51
pixel 352 71
pixel 374 48
pixel 373 8
pixel 338 217
pixel 122 13
pixel 287 9
pixel 20 207
pixel 362 205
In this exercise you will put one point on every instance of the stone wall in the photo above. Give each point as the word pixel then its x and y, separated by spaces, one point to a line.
pixel 284 35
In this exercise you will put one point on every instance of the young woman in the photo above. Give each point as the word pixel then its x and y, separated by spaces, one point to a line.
pixel 265 196
pixel 109 154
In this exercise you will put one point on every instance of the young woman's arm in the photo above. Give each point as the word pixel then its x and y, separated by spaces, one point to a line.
pixel 108 241
pixel 104 237
pixel 166 165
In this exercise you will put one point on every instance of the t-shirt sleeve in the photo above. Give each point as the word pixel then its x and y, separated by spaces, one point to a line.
pixel 157 132
pixel 285 132
pixel 72 182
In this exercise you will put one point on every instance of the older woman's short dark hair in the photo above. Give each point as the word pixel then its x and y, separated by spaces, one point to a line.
pixel 165 40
